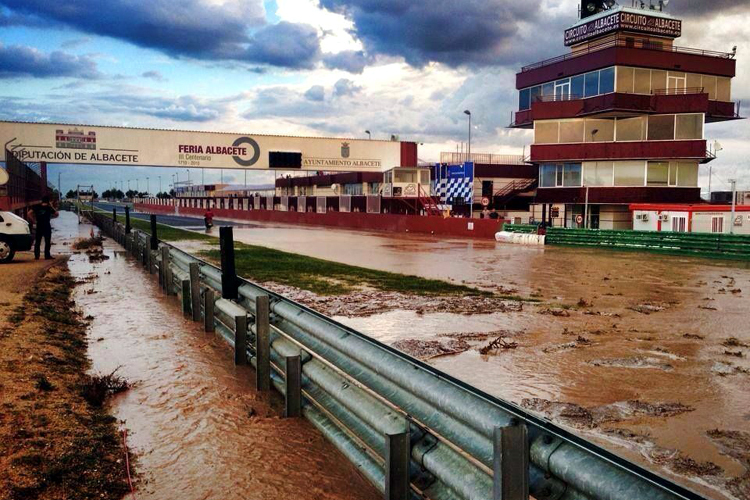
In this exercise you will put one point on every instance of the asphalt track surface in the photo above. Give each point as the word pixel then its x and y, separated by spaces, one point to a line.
pixel 170 220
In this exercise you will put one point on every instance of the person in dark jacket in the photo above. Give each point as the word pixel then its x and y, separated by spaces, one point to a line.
pixel 42 215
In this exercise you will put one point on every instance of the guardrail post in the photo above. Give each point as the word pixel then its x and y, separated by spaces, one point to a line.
pixel 163 267
pixel 154 236
pixel 114 217
pixel 240 340
pixel 208 310
pixel 262 344
pixel 293 387
pixel 511 462
pixel 229 282
pixel 168 279
pixel 397 449
pixel 127 219
pixel 186 302
pixel 195 291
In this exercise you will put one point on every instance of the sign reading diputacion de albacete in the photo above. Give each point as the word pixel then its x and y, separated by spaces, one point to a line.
pixel 96 145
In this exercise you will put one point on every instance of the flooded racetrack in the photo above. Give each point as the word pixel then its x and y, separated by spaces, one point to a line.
pixel 194 420
pixel 646 354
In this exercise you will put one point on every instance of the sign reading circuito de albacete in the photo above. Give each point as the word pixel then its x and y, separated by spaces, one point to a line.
pixel 630 21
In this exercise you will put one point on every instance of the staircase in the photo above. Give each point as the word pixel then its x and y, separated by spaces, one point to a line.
pixel 428 202
pixel 512 189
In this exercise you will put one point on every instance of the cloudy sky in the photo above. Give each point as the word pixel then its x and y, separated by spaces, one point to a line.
pixel 311 67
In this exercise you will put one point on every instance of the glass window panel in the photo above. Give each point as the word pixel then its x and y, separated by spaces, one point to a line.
pixel 547 175
pixel 546 132
pixel 709 86
pixel 600 130
pixel 658 173
pixel 534 93
pixel 642 84
pixel 724 89
pixel 607 81
pixel 562 90
pixel 689 127
pixel 598 173
pixel 672 173
pixel 571 131
pixel 625 80
pixel 687 174
pixel 630 129
pixel 548 89
pixel 591 84
pixel 629 173
pixel 661 127
pixel 658 80
pixel 524 99
pixel 576 86
pixel 559 175
pixel 694 81
pixel 572 177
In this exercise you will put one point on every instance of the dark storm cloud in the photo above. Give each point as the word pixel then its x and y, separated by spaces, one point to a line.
pixel 353 61
pixel 471 32
pixel 285 44
pixel 184 28
pixel 154 75
pixel 18 61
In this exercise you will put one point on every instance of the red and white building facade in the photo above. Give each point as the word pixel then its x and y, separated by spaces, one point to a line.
pixel 621 118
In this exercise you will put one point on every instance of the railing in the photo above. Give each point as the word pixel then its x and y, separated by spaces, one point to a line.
pixel 622 42
pixel 413 431
pixel 452 158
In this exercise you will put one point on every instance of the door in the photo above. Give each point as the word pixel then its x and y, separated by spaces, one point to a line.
pixel 562 90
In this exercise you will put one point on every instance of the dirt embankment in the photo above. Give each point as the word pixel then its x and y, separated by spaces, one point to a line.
pixel 55 442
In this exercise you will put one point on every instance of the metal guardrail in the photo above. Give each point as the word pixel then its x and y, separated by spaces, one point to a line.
pixel 413 431
pixel 453 158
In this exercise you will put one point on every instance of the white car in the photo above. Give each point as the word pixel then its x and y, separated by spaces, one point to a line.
pixel 15 236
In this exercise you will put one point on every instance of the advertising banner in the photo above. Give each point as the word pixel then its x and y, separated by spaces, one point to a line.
pixel 95 145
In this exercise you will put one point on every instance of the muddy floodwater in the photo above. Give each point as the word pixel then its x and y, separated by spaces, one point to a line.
pixel 645 354
pixel 194 420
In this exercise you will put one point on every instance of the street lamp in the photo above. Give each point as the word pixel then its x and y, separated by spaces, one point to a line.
pixel 369 134
pixel 148 190
pixel 159 183
pixel 467 112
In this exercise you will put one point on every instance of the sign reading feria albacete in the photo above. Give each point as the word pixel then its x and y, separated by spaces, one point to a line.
pixel 83 144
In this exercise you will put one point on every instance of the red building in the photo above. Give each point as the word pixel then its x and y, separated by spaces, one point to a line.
pixel 620 118
pixel 75 139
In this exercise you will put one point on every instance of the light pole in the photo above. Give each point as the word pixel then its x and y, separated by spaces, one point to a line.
pixel 159 183
pixel 468 113
pixel 138 185
pixel 733 182
pixel 148 191
pixel 369 134
pixel 188 181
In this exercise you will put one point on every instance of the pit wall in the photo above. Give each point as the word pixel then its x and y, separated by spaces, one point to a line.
pixel 393 223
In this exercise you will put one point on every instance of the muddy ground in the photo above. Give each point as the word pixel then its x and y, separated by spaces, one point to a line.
pixel 56 441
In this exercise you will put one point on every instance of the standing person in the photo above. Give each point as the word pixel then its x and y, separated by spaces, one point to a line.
pixel 42 215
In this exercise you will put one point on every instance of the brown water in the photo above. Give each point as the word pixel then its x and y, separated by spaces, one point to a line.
pixel 652 329
pixel 194 419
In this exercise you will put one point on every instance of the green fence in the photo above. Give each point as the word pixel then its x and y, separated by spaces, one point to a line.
pixel 706 244
pixel 520 228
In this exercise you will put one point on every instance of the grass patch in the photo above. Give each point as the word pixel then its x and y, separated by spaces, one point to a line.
pixel 330 278
pixel 166 233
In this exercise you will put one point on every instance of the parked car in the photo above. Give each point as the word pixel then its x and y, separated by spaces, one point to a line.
pixel 15 236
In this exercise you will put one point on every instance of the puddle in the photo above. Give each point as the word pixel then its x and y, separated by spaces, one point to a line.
pixel 194 420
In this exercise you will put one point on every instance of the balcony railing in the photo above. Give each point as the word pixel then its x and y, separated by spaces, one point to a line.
pixel 453 158
pixel 623 42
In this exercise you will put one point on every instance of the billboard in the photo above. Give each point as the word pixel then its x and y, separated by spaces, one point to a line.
pixel 624 20
pixel 97 145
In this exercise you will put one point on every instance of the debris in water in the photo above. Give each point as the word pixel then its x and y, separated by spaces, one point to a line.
pixel 85 244
pixel 563 313
pixel 651 307
pixel 634 362
pixel 734 342
pixel 693 336
pixel 498 343
pixel 97 388
pixel 429 349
